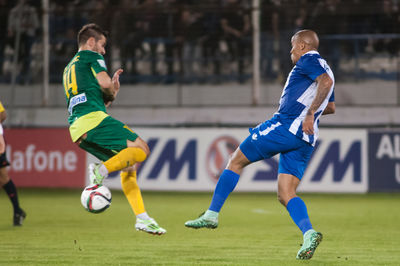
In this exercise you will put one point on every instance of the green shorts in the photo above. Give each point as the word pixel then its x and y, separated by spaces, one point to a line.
pixel 108 138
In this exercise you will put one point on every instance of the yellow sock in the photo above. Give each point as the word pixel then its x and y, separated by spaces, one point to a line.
pixel 132 191
pixel 125 158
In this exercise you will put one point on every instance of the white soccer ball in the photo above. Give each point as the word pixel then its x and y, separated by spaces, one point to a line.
pixel 96 198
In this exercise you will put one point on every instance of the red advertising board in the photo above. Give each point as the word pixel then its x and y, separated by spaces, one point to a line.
pixel 44 158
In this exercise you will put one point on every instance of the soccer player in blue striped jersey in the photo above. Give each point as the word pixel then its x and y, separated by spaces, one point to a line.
pixel 291 132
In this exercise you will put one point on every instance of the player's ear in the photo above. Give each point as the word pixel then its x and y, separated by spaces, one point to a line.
pixel 302 45
pixel 91 41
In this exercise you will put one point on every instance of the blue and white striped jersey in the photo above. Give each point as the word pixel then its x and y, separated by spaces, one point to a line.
pixel 299 92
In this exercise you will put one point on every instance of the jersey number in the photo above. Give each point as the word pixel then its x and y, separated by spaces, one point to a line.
pixel 70 85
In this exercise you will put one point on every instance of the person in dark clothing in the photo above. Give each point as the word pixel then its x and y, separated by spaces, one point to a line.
pixel 235 23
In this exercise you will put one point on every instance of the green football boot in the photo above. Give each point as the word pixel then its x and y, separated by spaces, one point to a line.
pixel 149 226
pixel 310 243
pixel 208 219
pixel 94 175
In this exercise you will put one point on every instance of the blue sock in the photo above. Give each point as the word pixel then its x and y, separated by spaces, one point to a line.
pixel 298 211
pixel 226 184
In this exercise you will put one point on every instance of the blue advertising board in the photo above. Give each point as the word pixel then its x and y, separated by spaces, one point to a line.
pixel 384 160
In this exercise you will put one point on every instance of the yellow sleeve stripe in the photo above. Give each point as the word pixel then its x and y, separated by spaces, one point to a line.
pixel 94 72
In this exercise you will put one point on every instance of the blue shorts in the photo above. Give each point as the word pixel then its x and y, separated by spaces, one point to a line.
pixel 271 138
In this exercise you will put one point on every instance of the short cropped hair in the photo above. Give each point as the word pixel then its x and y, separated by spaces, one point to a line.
pixel 88 31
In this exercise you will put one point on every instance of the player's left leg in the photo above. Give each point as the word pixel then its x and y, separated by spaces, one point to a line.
pixel 132 192
pixel 125 158
pixel 291 168
pixel 123 146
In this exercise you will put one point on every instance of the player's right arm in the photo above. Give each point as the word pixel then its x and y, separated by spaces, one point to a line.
pixel 109 86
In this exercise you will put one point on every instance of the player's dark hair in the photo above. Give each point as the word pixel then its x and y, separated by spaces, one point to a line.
pixel 88 31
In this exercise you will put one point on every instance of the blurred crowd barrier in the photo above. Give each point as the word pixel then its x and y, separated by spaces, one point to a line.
pixel 185 42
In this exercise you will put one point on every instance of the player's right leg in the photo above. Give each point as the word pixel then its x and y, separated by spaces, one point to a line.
pixel 132 192
pixel 262 143
pixel 226 184
pixel 9 187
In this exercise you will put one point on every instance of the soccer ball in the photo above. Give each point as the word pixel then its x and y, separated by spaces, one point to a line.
pixel 96 198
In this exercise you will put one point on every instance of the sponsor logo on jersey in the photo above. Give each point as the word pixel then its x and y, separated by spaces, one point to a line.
pixel 102 63
pixel 77 99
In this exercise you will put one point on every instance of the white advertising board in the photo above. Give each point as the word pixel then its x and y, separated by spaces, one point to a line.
pixel 191 159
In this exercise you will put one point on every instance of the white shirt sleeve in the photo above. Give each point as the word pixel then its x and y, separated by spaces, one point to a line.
pixel 1 130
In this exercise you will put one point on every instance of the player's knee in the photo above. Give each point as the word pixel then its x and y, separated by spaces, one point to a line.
pixel 139 154
pixel 235 167
pixel 141 144
pixel 4 178
pixel 284 196
pixel 237 162
pixel 281 198
pixel 146 149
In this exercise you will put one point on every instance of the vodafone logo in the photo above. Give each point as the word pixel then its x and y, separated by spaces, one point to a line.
pixel 218 155
pixel 45 157
pixel 34 159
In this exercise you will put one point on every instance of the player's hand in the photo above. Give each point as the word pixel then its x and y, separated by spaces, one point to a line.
pixel 107 104
pixel 115 79
pixel 308 124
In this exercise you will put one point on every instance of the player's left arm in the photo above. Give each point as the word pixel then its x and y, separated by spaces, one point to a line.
pixel 3 116
pixel 2 142
pixel 329 109
pixel 324 84
pixel 109 86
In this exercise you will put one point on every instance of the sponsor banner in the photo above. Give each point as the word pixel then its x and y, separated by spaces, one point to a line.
pixel 44 158
pixel 338 163
pixel 384 160
pixel 192 160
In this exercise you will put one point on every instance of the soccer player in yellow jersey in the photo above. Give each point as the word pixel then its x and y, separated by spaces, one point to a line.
pixel 88 90
pixel 5 181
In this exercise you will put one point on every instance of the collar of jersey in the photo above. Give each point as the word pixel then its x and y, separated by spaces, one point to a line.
pixel 311 52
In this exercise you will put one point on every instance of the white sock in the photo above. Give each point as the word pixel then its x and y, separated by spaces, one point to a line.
pixel 143 216
pixel 211 214
pixel 310 231
pixel 103 170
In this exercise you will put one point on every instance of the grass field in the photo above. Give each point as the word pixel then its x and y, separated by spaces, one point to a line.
pixel 254 230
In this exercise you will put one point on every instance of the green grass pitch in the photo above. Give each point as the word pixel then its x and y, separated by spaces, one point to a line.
pixel 254 230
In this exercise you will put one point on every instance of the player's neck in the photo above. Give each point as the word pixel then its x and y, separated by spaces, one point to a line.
pixel 85 47
pixel 310 50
